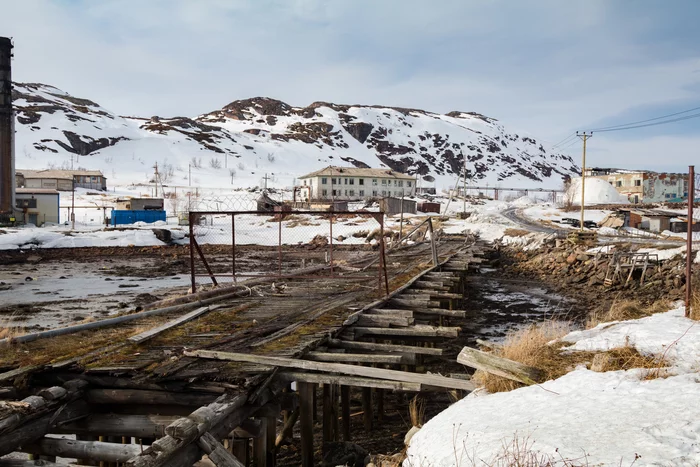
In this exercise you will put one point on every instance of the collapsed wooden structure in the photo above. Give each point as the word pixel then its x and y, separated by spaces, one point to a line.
pixel 234 388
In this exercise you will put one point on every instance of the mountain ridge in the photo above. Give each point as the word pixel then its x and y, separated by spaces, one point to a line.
pixel 266 135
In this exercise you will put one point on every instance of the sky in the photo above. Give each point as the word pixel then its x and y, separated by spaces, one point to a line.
pixel 546 67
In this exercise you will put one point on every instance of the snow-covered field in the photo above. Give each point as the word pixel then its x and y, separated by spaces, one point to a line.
pixel 585 418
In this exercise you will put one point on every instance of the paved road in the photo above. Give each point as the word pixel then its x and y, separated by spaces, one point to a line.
pixel 512 214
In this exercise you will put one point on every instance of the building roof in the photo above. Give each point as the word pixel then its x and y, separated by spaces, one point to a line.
pixel 332 171
pixel 59 174
pixel 35 191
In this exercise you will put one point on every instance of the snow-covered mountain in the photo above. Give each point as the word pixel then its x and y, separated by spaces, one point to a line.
pixel 240 143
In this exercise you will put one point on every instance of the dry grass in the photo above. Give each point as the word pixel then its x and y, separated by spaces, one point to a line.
pixel 530 347
pixel 625 358
pixel 516 232
pixel 695 306
pixel 623 310
pixel 416 410
pixel 9 332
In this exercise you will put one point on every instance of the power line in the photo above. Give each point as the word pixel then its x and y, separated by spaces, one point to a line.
pixel 645 121
pixel 572 135
pixel 687 117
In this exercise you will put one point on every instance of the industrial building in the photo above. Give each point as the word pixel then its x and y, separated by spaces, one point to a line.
pixel 7 134
pixel 61 180
pixel 644 186
pixel 37 206
pixel 352 183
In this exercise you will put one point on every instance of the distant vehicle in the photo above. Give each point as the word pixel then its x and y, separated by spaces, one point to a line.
pixel 590 224
pixel 570 221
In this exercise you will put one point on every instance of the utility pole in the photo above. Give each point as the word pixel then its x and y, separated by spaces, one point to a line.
pixel 189 175
pixel 156 179
pixel 266 178
pixel 689 242
pixel 464 202
pixel 584 136
pixel 72 206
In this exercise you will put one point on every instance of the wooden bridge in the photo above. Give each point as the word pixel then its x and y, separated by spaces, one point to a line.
pixel 229 372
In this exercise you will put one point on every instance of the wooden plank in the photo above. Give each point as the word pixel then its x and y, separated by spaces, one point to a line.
pixel 499 366
pixel 412 304
pixel 360 358
pixel 353 370
pixel 384 321
pixel 440 312
pixel 435 284
pixel 421 330
pixel 137 426
pixel 430 294
pixel 151 333
pixel 146 397
pixel 345 409
pixel 216 452
pixel 355 345
pixel 95 450
pixel 390 312
pixel 326 378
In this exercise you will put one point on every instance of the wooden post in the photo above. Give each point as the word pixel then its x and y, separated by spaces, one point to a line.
pixel 306 400
pixel 315 403
pixel 241 451
pixel 380 404
pixel 270 438
pixel 327 415
pixel 367 408
pixel 345 407
pixel 336 414
pixel 260 445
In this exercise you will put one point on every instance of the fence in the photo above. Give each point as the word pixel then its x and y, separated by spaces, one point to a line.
pixel 229 246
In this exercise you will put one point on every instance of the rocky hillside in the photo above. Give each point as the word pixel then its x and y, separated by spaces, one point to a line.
pixel 246 139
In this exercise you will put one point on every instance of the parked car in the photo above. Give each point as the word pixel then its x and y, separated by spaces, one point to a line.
pixel 590 224
pixel 571 221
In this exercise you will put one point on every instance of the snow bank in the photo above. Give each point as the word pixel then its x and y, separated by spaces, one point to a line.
pixel 589 418
pixel 697 258
pixel 597 192
pixel 28 238
pixel 664 254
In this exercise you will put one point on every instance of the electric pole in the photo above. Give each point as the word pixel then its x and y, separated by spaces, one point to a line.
pixel 156 178
pixel 584 136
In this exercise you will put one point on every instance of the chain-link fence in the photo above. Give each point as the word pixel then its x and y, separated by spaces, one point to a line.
pixel 237 245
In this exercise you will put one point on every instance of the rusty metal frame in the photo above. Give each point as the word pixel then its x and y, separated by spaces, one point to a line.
pixel 383 281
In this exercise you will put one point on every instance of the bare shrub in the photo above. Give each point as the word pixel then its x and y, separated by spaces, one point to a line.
pixel 215 163
pixel 623 310
pixel 270 157
pixel 196 162
pixel 695 306
pixel 416 410
pixel 166 172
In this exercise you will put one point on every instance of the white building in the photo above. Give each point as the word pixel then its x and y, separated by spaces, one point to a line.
pixel 37 205
pixel 352 183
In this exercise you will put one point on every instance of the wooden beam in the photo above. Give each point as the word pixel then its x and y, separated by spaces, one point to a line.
pixel 430 294
pixel 441 312
pixel 288 428
pixel 138 426
pixel 216 452
pixel 260 445
pixel 360 358
pixel 356 345
pixel 379 373
pixel 95 450
pixel 435 284
pixel 367 415
pixel 306 423
pixel 390 312
pixel 345 409
pixel 500 366
pixel 384 321
pixel 326 378
pixel 146 397
pixel 151 333
pixel 420 330
pixel 413 303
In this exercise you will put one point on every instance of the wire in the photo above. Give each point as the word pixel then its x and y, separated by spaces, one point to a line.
pixel 645 121
pixel 572 135
pixel 687 117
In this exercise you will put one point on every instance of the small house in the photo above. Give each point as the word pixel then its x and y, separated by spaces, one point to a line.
pixel 266 204
pixel 391 206
pixel 61 180
pixel 140 204
pixel 429 207
pixel 38 206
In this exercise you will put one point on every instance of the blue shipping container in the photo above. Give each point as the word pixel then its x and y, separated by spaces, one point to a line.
pixel 130 217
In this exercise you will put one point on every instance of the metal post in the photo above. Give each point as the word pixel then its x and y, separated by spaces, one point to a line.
pixel 72 206
pixel 689 242
pixel 330 245
pixel 233 245
pixel 433 246
pixel 192 278
pixel 279 247
pixel 401 219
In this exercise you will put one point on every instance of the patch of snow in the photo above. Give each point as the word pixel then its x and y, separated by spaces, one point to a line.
pixel 597 192
pixel 604 419
pixel 664 254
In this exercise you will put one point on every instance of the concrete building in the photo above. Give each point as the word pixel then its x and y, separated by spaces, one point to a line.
pixel 352 183
pixel 61 180
pixel 643 186
pixel 37 206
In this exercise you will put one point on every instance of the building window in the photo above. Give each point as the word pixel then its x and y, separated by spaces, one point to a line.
pixel 324 192
pixel 637 183
pixel 362 181
pixel 333 181
pixel 408 184
pixel 374 182
pixel 383 182
pixel 335 192
pixel 352 192
pixel 618 183
pixel 346 192
pixel 345 181
pixel 352 181
pixel 324 181
pixel 374 192
pixel 383 192
pixel 362 192
pixel 304 182
pixel 400 182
